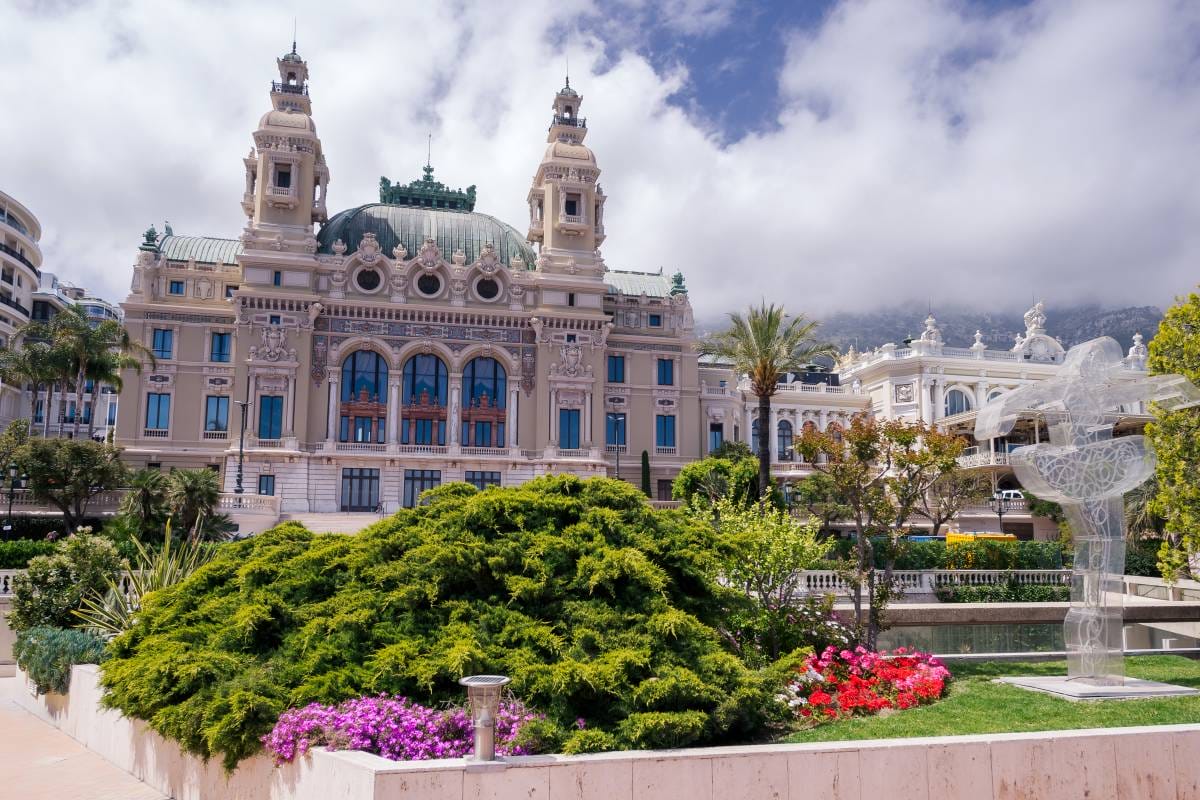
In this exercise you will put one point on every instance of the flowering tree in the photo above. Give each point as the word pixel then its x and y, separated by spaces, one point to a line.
pixel 881 471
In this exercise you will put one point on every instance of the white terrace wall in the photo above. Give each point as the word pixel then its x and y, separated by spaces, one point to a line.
pixel 1149 763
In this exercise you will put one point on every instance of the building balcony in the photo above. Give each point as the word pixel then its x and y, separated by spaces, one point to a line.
pixel 570 122
pixel 666 451
pixel 472 450
pixel 616 449
pixel 289 88
pixel 973 458
pixel 281 196
pixel 572 452
pixel 19 256
pixel 156 433
pixel 215 436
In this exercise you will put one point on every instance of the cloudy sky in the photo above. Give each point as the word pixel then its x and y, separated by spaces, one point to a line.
pixel 832 155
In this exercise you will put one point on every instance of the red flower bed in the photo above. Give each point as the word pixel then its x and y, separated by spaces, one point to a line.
pixel 843 683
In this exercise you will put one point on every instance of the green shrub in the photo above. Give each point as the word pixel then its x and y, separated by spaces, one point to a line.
pixel 597 606
pixel 47 654
pixel 16 554
pixel 1141 558
pixel 53 587
pixel 979 554
pixel 1009 592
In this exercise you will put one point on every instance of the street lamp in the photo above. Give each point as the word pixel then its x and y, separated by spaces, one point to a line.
pixel 1000 506
pixel 617 423
pixel 245 404
pixel 12 491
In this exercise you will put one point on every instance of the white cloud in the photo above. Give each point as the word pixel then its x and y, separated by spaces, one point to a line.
pixel 923 150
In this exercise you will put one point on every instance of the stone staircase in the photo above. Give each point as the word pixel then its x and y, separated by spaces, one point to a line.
pixel 340 522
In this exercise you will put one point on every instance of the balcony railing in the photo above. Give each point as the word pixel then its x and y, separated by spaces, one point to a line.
pixel 360 447
pixel 289 88
pixel 156 433
pixel 616 449
pixel 216 435
pixel 249 503
pixel 570 122
pixel 19 256
pixel 572 452
pixel 571 219
pixel 484 451
pixel 14 304
pixel 983 459
pixel 421 449
pixel 665 451
pixel 281 191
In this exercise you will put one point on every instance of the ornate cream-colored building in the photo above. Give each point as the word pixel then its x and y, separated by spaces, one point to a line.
pixel 20 262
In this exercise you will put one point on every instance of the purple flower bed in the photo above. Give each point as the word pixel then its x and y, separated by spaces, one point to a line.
pixel 392 727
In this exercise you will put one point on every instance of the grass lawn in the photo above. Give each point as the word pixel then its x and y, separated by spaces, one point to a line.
pixel 974 704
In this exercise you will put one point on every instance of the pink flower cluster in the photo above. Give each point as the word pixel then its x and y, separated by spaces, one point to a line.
pixel 844 683
pixel 392 727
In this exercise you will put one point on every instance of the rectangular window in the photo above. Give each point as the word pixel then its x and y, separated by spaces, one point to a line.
pixel 614 429
pixel 664 430
pixel 163 342
pixel 571 205
pixel 266 484
pixel 283 176
pixel 158 411
pixel 482 480
pixel 417 481
pixel 70 412
pixel 716 435
pixel 176 287
pixel 568 428
pixel 570 298
pixel 112 413
pixel 664 488
pixel 666 372
pixel 87 411
pixel 616 369
pixel 360 489
pixel 38 410
pixel 656 320
pixel 270 417
pixel 229 290
pixel 216 413
pixel 219 347
pixel 277 278
pixel 274 319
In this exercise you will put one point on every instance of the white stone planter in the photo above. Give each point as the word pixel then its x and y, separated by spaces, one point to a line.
pixel 1119 763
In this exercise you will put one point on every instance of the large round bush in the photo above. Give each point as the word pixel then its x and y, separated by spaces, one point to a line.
pixel 598 607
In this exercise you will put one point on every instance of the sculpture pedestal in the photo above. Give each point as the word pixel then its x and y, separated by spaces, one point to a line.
pixel 1126 689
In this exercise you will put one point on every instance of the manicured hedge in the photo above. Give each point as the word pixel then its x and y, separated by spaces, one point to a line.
pixel 599 608
pixel 980 554
pixel 16 554
pixel 1005 593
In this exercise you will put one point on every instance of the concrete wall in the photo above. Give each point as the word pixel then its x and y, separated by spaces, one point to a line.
pixel 7 639
pixel 1148 763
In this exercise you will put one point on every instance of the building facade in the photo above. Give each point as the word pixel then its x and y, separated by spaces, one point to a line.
pixel 20 264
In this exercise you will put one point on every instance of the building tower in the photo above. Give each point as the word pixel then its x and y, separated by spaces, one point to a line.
pixel 286 176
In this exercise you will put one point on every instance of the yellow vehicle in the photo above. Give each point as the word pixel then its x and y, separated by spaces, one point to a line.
pixel 956 538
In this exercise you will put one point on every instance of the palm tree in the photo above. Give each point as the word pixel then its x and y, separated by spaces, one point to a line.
pixel 107 369
pixel 85 345
pixel 765 344
pixel 192 494
pixel 146 500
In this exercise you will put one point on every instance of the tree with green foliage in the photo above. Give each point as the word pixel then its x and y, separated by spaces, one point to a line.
pixel 881 470
pixel 145 503
pixel 732 450
pixel 1175 436
pixel 192 496
pixel 68 473
pixel 705 481
pixel 84 348
pixel 765 344
pixel 53 586
pixel 35 364
pixel 646 474
pixel 817 494
pixel 765 552
pixel 596 606
pixel 949 494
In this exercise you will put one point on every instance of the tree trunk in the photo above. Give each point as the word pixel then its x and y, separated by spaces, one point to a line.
pixel 79 380
pixel 764 446
pixel 91 424
pixel 46 411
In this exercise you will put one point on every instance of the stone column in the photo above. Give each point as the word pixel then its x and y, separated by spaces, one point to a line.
pixel 393 409
pixel 981 393
pixel 939 399
pixel 822 420
pixel 773 433
pixel 925 388
pixel 749 425
pixel 455 405
pixel 289 391
pixel 331 425
pixel 586 439
pixel 554 417
pixel 510 421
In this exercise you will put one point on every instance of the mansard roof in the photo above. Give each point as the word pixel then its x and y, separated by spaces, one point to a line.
pixel 634 284
pixel 204 249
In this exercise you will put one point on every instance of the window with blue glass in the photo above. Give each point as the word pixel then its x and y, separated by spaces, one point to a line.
pixel 266 484
pixel 716 435
pixel 219 347
pixel 614 429
pixel 616 369
pixel 655 320
pixel 162 342
pixel 485 385
pixel 666 372
pixel 270 417
pixel 176 287
pixel 273 319
pixel 87 411
pixel 568 428
pixel 112 413
pixel 158 411
pixel 664 430
pixel 785 444
pixel 754 440
pixel 364 398
pixel 216 413
pixel 423 414
pixel 277 278
pixel 481 480
pixel 38 410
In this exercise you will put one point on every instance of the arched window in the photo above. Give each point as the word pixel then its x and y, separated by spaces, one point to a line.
pixel 485 390
pixel 994 393
pixel 834 430
pixel 424 404
pixel 754 440
pixel 785 443
pixel 364 398
pixel 957 402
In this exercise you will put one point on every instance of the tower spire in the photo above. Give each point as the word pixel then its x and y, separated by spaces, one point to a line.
pixel 293 36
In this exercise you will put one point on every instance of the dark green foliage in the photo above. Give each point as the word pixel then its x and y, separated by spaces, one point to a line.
pixel 68 473
pixel 597 607
pixel 1141 558
pixel 41 527
pixel 646 473
pixel 981 554
pixel 16 554
pixel 53 587
pixel 710 479
pixel 1009 592
pixel 732 450
pixel 47 654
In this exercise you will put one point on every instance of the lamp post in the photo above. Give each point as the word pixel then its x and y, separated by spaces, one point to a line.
pixel 1000 505
pixel 245 404
pixel 483 698
pixel 12 491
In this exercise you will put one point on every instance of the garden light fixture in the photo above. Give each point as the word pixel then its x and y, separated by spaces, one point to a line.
pixel 483 698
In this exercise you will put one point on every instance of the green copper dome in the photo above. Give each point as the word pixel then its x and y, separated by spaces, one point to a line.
pixel 411 226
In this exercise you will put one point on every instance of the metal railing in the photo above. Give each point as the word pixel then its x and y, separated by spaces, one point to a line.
pixel 19 256
pixel 14 304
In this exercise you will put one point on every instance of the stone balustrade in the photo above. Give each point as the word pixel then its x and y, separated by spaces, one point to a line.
pixel 927 581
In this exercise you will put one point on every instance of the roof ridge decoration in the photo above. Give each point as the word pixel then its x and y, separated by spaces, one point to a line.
pixel 426 193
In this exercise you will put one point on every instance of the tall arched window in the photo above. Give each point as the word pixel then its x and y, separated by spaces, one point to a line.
pixel 364 398
pixel 485 389
pixel 424 405
pixel 957 402
pixel 754 440
pixel 785 443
